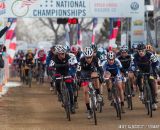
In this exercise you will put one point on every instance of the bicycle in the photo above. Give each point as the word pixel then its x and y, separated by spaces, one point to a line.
pixel 116 99
pixel 148 100
pixel 51 73
pixel 65 95
pixel 128 91
pixel 29 76
pixel 40 73
pixel 92 97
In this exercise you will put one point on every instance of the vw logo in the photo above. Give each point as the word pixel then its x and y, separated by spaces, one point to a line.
pixel 134 6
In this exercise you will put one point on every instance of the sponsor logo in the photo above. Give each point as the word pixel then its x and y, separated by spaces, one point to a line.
pixel 138 23
pixel 134 6
pixel 138 32
pixel 19 10
pixel 2 7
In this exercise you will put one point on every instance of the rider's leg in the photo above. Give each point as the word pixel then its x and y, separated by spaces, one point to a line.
pixel 86 98
pixel 132 79
pixel 121 94
pixel 139 83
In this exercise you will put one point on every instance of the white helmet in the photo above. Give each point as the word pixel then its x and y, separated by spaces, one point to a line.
pixel 60 49
pixel 88 51
pixel 73 60
pixel 124 48
pixel 111 55
pixel 101 49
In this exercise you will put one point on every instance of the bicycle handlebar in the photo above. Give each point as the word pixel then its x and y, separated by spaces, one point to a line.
pixel 88 78
pixel 64 77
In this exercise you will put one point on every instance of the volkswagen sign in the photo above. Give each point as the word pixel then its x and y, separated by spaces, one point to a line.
pixel 134 6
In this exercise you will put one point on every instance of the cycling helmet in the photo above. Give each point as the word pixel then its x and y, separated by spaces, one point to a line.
pixel 94 47
pixel 72 60
pixel 109 48
pixel 67 48
pixel 88 51
pixel 29 51
pixel 60 49
pixel 74 48
pixel 141 46
pixel 134 46
pixel 100 49
pixel 124 48
pixel 111 55
pixel 53 47
pixel 149 47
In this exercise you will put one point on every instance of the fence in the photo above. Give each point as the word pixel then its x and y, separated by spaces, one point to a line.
pixel 4 74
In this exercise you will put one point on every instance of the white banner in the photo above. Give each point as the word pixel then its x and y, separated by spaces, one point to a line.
pixel 123 39
pixel 73 8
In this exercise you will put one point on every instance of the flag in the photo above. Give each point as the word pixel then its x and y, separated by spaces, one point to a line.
pixel 11 42
pixel 95 21
pixel 79 34
pixel 28 2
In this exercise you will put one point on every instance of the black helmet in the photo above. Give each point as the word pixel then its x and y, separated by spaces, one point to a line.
pixel 141 46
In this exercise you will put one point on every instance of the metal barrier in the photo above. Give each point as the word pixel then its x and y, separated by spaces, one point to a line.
pixel 4 74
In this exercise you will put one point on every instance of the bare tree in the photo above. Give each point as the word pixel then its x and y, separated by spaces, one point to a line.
pixel 59 34
pixel 51 24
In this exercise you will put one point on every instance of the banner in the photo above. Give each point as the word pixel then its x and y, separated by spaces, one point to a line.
pixel 72 8
pixel 124 39
pixel 137 30
pixel 1 27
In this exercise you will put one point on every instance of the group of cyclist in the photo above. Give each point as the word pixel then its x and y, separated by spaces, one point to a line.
pixel 101 64
pixel 30 60
pixel 105 64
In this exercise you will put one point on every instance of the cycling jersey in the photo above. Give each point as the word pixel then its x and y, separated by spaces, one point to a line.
pixel 146 63
pixel 62 66
pixel 85 69
pixel 29 58
pixel 49 57
pixel 125 61
pixel 114 69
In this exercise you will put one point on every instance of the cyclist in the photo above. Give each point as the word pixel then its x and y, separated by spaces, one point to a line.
pixel 134 48
pixel 112 68
pixel 127 63
pixel 29 61
pixel 101 54
pixel 21 57
pixel 41 58
pixel 72 71
pixel 50 56
pixel 146 62
pixel 61 63
pixel 89 66
pixel 75 50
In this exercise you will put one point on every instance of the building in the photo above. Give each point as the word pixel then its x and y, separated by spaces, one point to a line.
pixel 157 21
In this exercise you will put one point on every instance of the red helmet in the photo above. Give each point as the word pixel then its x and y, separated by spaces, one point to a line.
pixel 110 48
pixel 74 48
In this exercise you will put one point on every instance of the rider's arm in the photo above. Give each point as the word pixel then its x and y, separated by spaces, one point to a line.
pixel 154 62
pixel 100 68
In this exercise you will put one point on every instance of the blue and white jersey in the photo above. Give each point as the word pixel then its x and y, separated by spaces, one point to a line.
pixel 114 69
pixel 72 64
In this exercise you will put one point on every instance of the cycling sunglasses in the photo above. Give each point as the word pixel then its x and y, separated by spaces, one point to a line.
pixel 89 57
pixel 141 50
pixel 62 53
pixel 111 59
